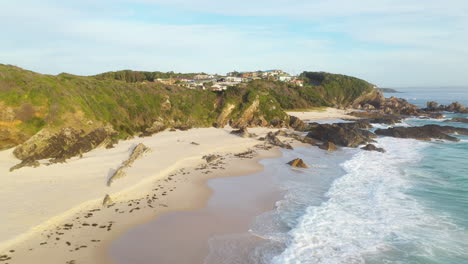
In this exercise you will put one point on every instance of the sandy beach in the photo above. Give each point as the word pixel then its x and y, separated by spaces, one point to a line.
pixel 55 212
pixel 327 114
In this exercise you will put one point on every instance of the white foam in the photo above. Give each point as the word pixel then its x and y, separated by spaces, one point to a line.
pixel 366 209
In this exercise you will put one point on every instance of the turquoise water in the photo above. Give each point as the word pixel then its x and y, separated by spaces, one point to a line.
pixel 408 205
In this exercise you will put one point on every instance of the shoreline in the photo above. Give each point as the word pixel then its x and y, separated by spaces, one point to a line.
pixel 202 192
pixel 172 153
pixel 34 244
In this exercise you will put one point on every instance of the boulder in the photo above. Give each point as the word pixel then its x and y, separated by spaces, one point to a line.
pixel 432 106
pixel 329 146
pixel 296 123
pixel 456 107
pixel 107 200
pixel 347 135
pixel 426 132
pixel 299 163
pixel 372 147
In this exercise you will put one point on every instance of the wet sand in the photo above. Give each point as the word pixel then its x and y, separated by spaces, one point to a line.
pixel 182 237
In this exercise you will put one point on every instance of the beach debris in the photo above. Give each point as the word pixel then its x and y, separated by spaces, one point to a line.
pixel 299 163
pixel 107 200
pixel 372 147
pixel 243 132
pixel 329 146
pixel 245 155
pixel 137 153
pixel 195 143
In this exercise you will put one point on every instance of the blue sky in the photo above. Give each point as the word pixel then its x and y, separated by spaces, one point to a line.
pixel 391 43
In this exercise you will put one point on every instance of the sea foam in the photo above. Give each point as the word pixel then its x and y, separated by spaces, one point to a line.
pixel 365 209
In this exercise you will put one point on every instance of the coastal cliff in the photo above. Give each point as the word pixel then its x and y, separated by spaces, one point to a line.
pixel 58 117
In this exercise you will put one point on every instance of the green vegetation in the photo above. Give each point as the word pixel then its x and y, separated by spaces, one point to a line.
pixel 131 102
pixel 140 76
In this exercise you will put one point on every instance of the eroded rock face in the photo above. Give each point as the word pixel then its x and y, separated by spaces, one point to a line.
pixel 58 147
pixel 349 135
pixel 329 146
pixel 426 132
pixel 372 147
pixel 299 163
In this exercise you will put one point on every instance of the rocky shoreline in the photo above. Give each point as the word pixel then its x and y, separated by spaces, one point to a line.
pixel 70 143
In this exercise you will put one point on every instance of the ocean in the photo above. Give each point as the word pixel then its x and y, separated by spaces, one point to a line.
pixel 408 205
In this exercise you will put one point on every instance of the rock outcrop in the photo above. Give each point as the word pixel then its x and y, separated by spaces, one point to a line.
pixel 426 132
pixel 243 132
pixel 297 124
pixel 454 107
pixel 372 147
pixel 137 153
pixel 457 120
pixel 273 140
pixel 107 200
pixel 347 135
pixel 329 146
pixel 58 147
pixel 299 163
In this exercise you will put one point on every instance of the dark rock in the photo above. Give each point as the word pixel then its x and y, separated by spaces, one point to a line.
pixel 210 158
pixel 330 146
pixel 296 123
pixel 458 120
pixel 243 132
pixel 426 132
pixel 372 147
pixel 26 163
pixel 107 200
pixel 302 139
pixel 454 107
pixel 348 135
pixel 432 106
pixel 299 163
pixel 183 128
pixel 195 143
pixel 272 139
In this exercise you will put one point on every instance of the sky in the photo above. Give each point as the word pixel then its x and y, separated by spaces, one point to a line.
pixel 391 43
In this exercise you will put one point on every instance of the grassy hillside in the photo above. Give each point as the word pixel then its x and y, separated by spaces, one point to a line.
pixel 130 103
pixel 320 89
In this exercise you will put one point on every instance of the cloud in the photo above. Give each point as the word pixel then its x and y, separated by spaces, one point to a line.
pixel 387 42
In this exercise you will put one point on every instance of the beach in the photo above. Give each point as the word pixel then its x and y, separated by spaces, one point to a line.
pixel 327 113
pixel 58 215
